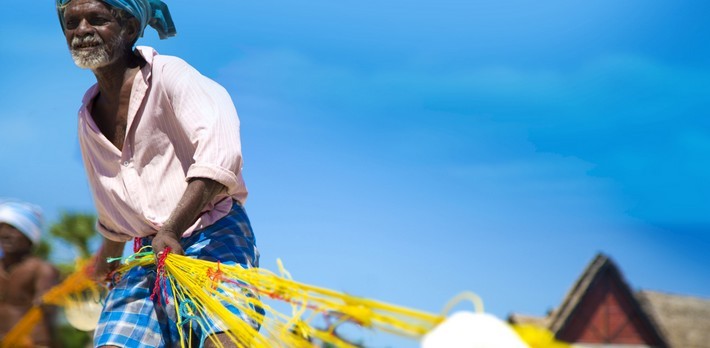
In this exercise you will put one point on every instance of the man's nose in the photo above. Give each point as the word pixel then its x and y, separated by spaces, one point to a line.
pixel 84 28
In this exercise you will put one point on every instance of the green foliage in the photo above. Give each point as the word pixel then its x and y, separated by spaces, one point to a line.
pixel 65 269
pixel 76 229
pixel 67 336
pixel 42 249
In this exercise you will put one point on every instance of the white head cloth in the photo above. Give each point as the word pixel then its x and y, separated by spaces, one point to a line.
pixel 25 217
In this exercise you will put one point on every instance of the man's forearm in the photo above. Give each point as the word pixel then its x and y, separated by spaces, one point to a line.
pixel 199 193
pixel 109 250
pixel 47 277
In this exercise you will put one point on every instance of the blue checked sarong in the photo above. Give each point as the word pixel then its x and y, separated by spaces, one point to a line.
pixel 131 319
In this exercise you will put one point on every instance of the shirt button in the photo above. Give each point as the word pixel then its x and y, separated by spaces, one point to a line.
pixel 125 164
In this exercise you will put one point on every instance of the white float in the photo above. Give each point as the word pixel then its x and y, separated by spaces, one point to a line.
pixel 472 330
pixel 83 315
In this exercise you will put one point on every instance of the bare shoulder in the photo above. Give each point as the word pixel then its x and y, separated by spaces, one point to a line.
pixel 39 267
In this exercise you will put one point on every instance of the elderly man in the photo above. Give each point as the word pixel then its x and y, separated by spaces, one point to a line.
pixel 162 153
pixel 23 278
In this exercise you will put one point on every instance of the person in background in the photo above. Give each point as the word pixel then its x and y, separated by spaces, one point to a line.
pixel 24 278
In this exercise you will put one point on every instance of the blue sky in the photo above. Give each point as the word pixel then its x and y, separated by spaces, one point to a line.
pixel 410 150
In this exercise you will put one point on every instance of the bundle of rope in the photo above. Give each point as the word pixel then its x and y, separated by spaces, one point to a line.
pixel 200 289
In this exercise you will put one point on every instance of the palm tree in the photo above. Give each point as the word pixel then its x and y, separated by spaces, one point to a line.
pixel 43 249
pixel 76 229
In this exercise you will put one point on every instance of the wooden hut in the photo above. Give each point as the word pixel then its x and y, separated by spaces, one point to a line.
pixel 601 310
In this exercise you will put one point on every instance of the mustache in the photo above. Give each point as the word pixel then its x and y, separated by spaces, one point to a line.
pixel 86 41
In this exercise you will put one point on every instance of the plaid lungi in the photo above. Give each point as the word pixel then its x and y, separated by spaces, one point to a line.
pixel 131 319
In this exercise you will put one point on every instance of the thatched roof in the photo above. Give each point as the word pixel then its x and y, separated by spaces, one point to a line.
pixel 602 271
pixel 683 320
pixel 517 318
pixel 594 270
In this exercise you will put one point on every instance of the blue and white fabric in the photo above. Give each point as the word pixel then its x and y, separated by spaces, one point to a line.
pixel 25 217
pixel 131 319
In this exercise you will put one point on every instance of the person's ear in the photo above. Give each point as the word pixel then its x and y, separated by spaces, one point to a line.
pixel 133 29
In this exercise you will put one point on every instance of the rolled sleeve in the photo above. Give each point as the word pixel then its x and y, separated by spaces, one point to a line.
pixel 219 174
pixel 111 235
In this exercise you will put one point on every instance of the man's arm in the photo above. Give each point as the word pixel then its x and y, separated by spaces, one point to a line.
pixel 109 249
pixel 45 278
pixel 199 192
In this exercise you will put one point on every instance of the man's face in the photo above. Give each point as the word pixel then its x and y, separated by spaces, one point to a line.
pixel 94 35
pixel 12 241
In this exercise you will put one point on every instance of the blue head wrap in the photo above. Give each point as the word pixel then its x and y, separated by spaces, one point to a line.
pixel 148 12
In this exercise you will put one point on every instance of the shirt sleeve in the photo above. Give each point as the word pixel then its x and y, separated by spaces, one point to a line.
pixel 206 113
pixel 109 234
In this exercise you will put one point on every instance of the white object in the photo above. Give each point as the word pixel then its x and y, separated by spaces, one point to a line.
pixel 83 315
pixel 472 330
pixel 25 217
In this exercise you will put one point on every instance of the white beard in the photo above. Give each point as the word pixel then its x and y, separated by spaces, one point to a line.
pixel 97 56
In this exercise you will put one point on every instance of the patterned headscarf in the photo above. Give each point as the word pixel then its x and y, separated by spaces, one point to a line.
pixel 25 217
pixel 148 12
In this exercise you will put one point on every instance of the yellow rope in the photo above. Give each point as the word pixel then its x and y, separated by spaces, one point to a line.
pixel 201 288
pixel 207 286
pixel 467 295
pixel 236 285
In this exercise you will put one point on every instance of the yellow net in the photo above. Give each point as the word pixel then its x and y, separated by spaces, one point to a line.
pixel 200 289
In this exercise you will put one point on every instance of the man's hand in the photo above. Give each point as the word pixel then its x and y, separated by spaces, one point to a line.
pixel 164 239
pixel 100 268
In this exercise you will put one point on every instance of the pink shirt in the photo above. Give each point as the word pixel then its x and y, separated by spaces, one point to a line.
pixel 181 125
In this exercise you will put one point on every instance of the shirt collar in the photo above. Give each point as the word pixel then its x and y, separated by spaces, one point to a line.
pixel 148 53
